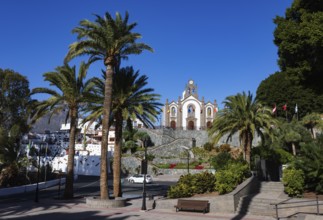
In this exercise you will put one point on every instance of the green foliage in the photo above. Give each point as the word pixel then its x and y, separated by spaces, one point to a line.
pixel 208 146
pixel 227 179
pixel 14 100
pixel 150 157
pixel 298 36
pixel 191 184
pixel 245 115
pixel 225 148
pixel 312 121
pixel 221 160
pixel 201 154
pixel 293 180
pixel 311 162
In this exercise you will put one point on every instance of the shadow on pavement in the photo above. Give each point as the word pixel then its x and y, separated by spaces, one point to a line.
pixel 246 201
pixel 54 209
pixel 76 216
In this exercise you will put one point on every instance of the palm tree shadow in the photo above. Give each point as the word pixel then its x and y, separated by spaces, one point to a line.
pixel 79 215
pixel 245 201
pixel 53 210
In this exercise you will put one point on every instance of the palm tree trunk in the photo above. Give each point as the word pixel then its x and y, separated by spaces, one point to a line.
pixel 117 156
pixel 68 192
pixel 294 149
pixel 313 133
pixel 247 147
pixel 105 132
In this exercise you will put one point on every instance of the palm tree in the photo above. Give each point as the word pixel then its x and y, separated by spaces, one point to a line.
pixel 108 40
pixel 312 121
pixel 244 115
pixel 130 100
pixel 70 97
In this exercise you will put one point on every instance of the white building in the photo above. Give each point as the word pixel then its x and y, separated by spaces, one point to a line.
pixel 189 112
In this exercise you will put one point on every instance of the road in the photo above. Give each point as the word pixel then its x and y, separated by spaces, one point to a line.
pixel 86 186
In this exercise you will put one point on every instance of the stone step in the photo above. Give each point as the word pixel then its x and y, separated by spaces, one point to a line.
pixel 259 204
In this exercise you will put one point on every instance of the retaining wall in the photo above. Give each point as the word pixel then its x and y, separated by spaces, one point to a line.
pixel 30 187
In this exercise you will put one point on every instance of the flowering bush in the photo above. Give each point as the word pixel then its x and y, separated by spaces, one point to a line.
pixel 172 165
pixel 199 167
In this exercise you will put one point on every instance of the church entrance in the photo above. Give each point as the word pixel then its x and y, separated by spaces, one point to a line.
pixel 208 124
pixel 173 124
pixel 190 125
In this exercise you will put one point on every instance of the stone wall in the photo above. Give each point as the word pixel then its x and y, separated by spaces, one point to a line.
pixel 166 136
pixel 131 165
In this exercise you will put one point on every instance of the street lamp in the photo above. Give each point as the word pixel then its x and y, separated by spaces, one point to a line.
pixel 143 207
pixel 193 142
pixel 38 172
pixel 188 161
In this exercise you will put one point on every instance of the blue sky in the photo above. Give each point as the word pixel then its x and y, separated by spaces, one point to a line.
pixel 225 46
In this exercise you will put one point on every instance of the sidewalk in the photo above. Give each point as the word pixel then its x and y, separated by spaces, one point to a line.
pixel 77 209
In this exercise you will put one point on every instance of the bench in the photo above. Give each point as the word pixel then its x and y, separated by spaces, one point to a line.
pixel 192 205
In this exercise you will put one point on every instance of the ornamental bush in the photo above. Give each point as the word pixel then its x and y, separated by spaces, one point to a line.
pixel 293 180
pixel 221 160
pixel 191 184
pixel 227 179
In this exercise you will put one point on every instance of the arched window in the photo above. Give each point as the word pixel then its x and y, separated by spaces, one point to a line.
pixel 209 112
pixel 191 111
pixel 173 112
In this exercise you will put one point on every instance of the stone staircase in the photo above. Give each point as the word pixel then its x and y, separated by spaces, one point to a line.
pixel 260 203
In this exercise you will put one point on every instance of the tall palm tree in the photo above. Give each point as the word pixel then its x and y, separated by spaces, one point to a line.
pixel 69 95
pixel 244 115
pixel 130 100
pixel 108 40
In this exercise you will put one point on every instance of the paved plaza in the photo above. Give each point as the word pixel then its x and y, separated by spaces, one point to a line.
pixel 77 209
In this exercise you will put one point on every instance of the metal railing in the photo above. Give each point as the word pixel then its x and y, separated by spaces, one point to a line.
pixel 299 204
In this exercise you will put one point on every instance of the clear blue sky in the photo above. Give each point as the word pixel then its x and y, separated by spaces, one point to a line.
pixel 225 46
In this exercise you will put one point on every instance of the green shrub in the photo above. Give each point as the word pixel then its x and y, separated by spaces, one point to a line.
pixel 225 148
pixel 191 184
pixel 227 179
pixel 221 160
pixel 203 182
pixel 208 146
pixel 180 191
pixel 293 180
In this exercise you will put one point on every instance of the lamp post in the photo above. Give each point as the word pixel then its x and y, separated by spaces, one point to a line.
pixel 188 161
pixel 143 207
pixel 38 172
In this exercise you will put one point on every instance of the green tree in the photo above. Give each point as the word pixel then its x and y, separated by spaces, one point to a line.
pixel 312 121
pixel 293 134
pixel 69 95
pixel 108 40
pixel 14 113
pixel 130 100
pixel 14 100
pixel 245 115
pixel 299 38
pixel 278 89
pixel 311 162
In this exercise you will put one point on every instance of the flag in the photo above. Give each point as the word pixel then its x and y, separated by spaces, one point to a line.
pixel 296 109
pixel 274 109
pixel 216 109
pixel 285 107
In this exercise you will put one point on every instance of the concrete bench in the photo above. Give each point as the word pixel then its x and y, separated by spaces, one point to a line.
pixel 192 205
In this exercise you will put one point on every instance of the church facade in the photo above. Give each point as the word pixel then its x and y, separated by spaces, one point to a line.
pixel 189 112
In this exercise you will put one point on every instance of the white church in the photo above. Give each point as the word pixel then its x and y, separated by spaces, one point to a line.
pixel 189 112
